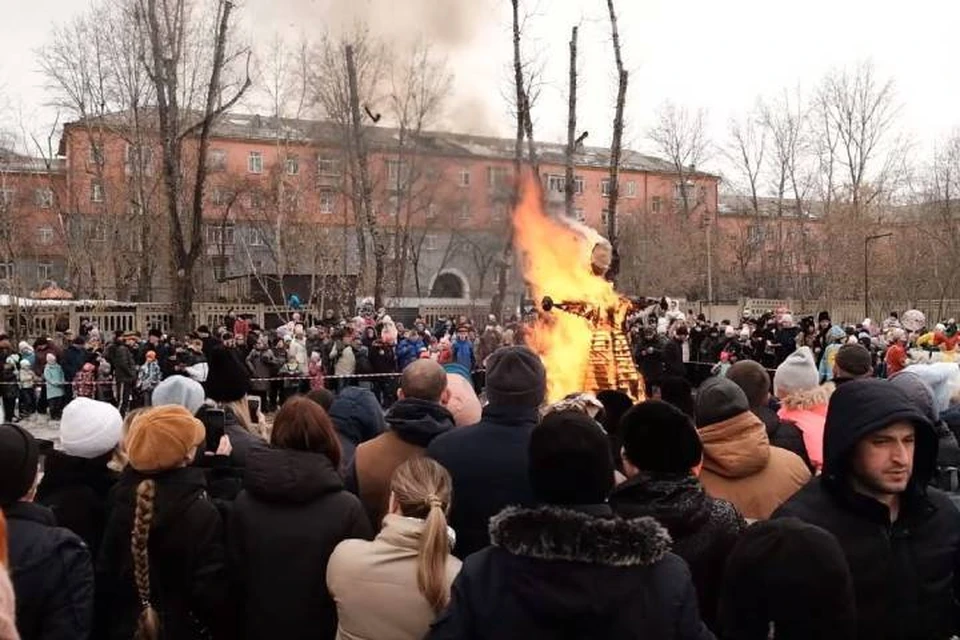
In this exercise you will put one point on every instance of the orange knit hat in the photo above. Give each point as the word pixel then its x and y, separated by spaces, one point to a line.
pixel 160 438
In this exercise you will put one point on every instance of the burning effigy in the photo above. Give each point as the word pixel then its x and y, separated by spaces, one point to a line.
pixel 579 334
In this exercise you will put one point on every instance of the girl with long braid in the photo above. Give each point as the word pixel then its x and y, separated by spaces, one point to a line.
pixel 161 573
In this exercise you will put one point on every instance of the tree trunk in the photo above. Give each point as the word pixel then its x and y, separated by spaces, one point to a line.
pixel 369 215
pixel 617 143
pixel 571 126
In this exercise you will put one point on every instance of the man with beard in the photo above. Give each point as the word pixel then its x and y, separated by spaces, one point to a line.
pixel 900 536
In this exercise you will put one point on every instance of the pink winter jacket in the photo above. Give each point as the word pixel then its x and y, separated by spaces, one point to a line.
pixel 810 422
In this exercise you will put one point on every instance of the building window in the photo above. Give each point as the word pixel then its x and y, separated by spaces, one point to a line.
pixel 219 264
pixel 604 220
pixel 96 191
pixel 328 166
pixel 398 174
pixel 656 204
pixel 327 202
pixel 217 160
pixel 6 271
pixel 44 271
pixel 255 162
pixel 45 234
pixel 255 199
pixel 755 235
pixel 630 189
pixel 688 188
pixel 292 164
pixel 605 187
pixel 465 211
pixel 499 211
pixel 222 196
pixel 291 198
pixel 220 234
pixel 96 153
pixel 142 156
pixel 99 233
pixel 558 184
pixel 430 242
pixel 498 178
pixel 7 196
pixel 431 212
pixel 464 177
pixel 256 237
pixel 578 215
pixel 43 197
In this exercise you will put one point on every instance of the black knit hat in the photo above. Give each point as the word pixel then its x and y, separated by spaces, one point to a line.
pixel 823 316
pixel 855 360
pixel 719 399
pixel 515 376
pixel 615 404
pixel 19 456
pixel 227 378
pixel 659 437
pixel 791 574
pixel 569 460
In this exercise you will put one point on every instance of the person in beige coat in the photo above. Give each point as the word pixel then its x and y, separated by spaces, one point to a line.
pixel 739 463
pixel 393 587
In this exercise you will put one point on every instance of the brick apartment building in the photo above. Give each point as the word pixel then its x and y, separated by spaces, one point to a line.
pixel 278 209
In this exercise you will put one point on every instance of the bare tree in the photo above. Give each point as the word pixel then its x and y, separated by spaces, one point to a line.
pixel 617 143
pixel 569 186
pixel 181 51
pixel 680 136
pixel 861 111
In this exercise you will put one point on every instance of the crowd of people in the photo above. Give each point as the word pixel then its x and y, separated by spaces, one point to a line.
pixel 802 495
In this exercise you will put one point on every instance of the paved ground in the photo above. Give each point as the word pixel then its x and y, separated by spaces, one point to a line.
pixel 43 427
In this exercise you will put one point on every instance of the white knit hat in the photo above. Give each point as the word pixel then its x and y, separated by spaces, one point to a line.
pixel 797 373
pixel 179 390
pixel 89 429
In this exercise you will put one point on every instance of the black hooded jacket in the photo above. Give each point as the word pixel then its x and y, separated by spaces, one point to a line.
pixel 188 579
pixel 703 529
pixel 904 572
pixel 77 489
pixel 572 574
pixel 357 415
pixel 291 514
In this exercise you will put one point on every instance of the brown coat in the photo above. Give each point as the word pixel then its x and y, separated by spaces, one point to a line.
pixel 740 466
pixel 375 462
pixel 375 584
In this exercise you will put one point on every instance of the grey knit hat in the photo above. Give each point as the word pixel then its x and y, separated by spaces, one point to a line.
pixel 515 376
pixel 797 373
pixel 719 399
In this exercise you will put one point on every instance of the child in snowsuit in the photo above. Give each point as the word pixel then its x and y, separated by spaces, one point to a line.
pixel 28 393
pixel 56 384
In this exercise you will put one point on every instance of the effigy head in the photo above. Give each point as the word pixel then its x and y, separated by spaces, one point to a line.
pixel 601 258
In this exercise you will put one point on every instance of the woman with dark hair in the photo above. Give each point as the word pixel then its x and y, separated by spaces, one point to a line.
pixel 286 522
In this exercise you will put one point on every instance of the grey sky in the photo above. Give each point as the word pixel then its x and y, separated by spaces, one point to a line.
pixel 698 53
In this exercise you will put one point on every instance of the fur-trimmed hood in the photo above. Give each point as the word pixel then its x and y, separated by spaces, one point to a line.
pixel 556 533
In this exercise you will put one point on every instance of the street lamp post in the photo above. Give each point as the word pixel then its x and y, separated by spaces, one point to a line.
pixel 866 270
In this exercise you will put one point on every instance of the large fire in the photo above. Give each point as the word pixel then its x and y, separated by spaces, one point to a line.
pixel 556 263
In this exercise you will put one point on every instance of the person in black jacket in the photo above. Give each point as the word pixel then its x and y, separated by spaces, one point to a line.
pixel 791 575
pixel 648 354
pixel 673 354
pixel 77 481
pixel 901 538
pixel 661 449
pixel 124 370
pixel 50 567
pixel 74 357
pixel 488 461
pixel 755 382
pixel 357 417
pixel 162 571
pixel 291 514
pixel 569 568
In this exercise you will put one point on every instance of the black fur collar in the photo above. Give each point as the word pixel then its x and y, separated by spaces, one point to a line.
pixel 555 533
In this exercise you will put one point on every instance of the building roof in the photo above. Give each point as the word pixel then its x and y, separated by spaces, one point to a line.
pixel 741 205
pixel 326 132
pixel 13 162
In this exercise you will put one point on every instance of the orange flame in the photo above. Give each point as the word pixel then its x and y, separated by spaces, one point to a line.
pixel 556 262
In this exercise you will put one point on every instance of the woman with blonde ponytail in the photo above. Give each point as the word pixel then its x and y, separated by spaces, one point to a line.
pixel 393 587
pixel 161 574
